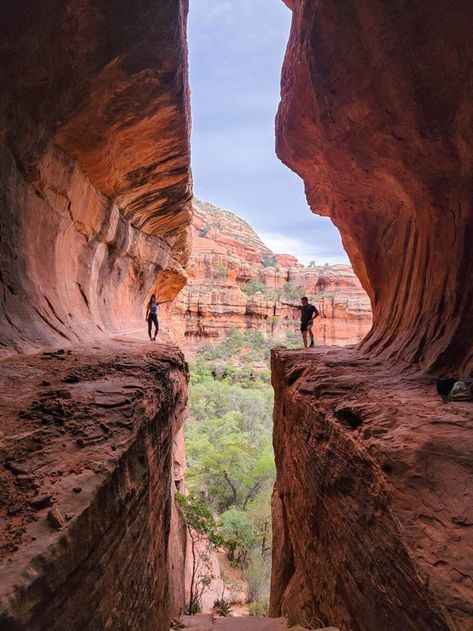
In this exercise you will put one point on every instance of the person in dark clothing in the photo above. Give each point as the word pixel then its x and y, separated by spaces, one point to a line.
pixel 308 315
pixel 152 317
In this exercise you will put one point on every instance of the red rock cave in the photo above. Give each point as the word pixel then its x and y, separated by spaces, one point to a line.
pixel 372 507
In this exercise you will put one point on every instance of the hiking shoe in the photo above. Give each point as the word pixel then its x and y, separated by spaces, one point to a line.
pixel 311 344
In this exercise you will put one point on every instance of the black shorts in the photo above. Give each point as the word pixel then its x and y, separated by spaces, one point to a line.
pixel 306 326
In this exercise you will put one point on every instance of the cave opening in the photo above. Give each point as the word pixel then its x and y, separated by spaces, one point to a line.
pixel 257 251
pixel 97 203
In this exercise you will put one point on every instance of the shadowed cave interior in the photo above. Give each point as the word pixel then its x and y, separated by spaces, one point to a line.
pixel 372 509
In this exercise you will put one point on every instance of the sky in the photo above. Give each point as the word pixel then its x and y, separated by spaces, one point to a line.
pixel 236 49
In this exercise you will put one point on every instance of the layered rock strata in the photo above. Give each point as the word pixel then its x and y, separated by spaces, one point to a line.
pixel 228 257
pixel 90 457
pixel 376 116
pixel 372 507
pixel 94 166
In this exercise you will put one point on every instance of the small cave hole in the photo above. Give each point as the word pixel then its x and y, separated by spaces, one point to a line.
pixel 349 417
pixel 294 376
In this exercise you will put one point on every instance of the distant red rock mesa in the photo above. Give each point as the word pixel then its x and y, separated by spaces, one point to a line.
pixel 236 281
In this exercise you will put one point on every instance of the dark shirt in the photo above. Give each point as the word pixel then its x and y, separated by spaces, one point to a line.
pixel 307 311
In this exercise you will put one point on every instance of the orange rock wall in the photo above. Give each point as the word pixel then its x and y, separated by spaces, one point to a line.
pixel 375 116
pixel 94 166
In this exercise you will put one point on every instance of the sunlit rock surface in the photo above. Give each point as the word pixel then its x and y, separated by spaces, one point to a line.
pixel 227 254
pixel 94 166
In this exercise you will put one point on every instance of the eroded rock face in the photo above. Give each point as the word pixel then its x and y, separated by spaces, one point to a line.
pixel 376 117
pixel 94 166
pixel 372 507
pixel 227 254
pixel 90 456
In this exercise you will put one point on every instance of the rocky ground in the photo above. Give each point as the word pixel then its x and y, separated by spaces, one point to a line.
pixel 372 508
pixel 209 623
pixel 87 440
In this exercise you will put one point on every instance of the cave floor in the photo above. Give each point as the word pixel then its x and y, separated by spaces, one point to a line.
pixel 206 622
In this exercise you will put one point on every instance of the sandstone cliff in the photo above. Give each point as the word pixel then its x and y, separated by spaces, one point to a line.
pixel 95 205
pixel 236 281
pixel 375 116
pixel 94 166
pixel 372 503
pixel 372 507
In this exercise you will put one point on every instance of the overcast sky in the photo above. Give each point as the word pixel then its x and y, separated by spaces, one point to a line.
pixel 236 50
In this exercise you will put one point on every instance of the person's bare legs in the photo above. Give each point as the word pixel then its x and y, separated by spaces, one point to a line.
pixel 304 337
pixel 312 343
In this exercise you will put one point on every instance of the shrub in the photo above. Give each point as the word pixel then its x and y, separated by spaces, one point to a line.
pixel 292 292
pixel 253 287
pixel 220 270
pixel 223 607
pixel 268 260
pixel 258 574
pixel 259 608
pixel 237 532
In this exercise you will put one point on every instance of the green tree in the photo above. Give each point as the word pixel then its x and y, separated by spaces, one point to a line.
pixel 238 535
pixel 259 513
pixel 292 292
pixel 203 533
pixel 253 287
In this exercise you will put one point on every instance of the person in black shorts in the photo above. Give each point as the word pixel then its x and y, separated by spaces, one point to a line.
pixel 308 315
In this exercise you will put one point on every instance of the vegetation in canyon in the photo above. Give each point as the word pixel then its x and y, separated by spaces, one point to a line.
pixel 229 451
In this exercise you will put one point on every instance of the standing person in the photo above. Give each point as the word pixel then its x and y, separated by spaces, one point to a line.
pixel 308 315
pixel 152 317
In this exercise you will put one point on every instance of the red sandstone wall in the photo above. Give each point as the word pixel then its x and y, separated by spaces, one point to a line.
pixel 226 254
pixel 101 437
pixel 372 506
pixel 375 116
pixel 94 166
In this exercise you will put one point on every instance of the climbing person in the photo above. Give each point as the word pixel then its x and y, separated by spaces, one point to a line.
pixel 308 315
pixel 152 317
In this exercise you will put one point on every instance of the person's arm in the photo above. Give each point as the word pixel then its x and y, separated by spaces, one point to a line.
pixel 147 311
pixel 289 304
pixel 315 314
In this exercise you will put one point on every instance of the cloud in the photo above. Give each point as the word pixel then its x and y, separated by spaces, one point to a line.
pixel 236 50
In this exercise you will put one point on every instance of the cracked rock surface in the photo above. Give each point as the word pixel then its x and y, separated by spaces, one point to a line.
pixel 86 479
pixel 373 506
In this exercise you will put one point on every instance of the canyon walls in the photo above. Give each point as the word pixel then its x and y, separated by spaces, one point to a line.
pixel 94 166
pixel 375 116
pixel 95 206
pixel 236 281
pixel 372 502
pixel 89 536
pixel 372 508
